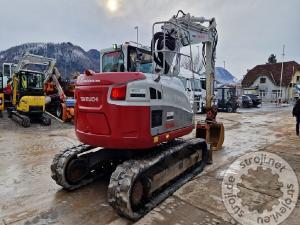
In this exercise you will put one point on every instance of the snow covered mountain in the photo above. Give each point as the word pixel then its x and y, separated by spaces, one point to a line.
pixel 70 58
pixel 224 76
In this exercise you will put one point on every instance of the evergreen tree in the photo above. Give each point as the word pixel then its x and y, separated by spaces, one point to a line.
pixel 272 59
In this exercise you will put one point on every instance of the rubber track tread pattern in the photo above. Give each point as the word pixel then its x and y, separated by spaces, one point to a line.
pixel 124 176
pixel 60 162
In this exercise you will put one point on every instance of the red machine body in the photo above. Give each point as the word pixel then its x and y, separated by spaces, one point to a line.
pixel 101 123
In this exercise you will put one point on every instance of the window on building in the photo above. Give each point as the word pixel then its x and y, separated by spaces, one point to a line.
pixel 291 84
pixel 262 93
pixel 298 78
pixel 262 80
pixel 277 93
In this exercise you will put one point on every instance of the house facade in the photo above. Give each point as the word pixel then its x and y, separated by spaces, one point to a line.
pixel 265 80
pixel 293 92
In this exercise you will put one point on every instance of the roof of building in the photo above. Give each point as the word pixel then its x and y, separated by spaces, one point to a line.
pixel 273 72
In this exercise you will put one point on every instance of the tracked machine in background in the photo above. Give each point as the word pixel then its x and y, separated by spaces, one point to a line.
pixel 28 101
pixel 60 96
pixel 131 120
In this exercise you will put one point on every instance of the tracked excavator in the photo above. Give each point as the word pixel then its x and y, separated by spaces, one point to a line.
pixel 57 101
pixel 28 92
pixel 131 120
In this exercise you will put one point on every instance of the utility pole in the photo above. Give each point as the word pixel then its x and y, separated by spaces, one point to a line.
pixel 224 64
pixel 280 90
pixel 137 35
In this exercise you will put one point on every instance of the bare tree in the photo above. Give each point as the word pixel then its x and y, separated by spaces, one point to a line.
pixel 196 66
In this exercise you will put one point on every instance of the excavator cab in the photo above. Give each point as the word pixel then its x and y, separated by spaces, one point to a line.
pixel 28 93
pixel 126 58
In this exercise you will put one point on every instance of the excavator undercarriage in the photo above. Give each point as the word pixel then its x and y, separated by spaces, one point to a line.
pixel 139 181
pixel 25 120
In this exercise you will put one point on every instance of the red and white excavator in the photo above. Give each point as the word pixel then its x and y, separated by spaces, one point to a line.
pixel 131 116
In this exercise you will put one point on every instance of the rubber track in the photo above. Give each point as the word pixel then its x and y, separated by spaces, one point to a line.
pixel 60 162
pixel 18 118
pixel 124 176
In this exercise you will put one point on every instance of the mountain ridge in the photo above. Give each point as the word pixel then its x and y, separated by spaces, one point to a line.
pixel 224 76
pixel 70 58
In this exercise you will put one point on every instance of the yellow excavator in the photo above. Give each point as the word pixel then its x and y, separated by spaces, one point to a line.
pixel 28 90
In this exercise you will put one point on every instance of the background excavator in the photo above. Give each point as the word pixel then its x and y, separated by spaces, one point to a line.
pixel 60 97
pixel 131 116
pixel 28 101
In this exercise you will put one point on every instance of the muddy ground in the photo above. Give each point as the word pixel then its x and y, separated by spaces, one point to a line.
pixel 28 195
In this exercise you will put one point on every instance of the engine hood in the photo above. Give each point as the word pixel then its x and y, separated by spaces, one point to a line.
pixel 94 79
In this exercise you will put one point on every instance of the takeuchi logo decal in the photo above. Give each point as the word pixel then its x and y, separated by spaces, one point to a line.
pixel 260 188
pixel 89 99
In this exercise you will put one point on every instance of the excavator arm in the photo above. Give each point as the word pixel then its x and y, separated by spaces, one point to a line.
pixel 54 75
pixel 186 30
pixel 179 32
pixel 30 59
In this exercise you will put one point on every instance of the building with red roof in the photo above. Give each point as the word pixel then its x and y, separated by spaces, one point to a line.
pixel 265 79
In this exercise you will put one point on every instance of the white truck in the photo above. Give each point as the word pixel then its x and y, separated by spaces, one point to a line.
pixel 195 88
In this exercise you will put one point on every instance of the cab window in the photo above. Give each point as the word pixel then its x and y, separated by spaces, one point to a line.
pixel 144 57
pixel 6 71
pixel 31 81
pixel 113 62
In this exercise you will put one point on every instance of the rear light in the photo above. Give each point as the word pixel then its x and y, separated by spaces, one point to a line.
pixel 118 92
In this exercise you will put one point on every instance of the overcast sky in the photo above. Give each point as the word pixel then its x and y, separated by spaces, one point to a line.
pixel 249 30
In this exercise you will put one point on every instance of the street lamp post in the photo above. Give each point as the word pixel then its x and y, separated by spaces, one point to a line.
pixel 137 35
pixel 280 90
